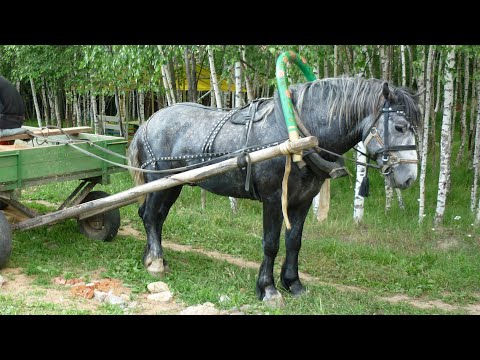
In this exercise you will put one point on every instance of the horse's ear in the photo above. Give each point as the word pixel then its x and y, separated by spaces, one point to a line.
pixel 386 91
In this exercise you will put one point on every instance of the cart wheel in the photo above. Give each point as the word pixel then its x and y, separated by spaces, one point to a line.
pixel 103 226
pixel 3 205
pixel 5 240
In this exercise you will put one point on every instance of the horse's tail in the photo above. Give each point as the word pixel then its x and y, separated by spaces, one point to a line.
pixel 134 161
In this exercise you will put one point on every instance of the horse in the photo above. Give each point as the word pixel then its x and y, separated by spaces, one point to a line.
pixel 340 112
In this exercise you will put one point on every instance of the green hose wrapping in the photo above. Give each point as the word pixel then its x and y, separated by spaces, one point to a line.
pixel 284 93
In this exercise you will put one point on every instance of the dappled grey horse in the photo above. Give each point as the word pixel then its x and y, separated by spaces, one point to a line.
pixel 340 112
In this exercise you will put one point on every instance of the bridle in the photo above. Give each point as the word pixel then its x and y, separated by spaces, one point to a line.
pixel 390 157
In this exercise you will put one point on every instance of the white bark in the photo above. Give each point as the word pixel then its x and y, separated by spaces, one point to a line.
pixel 93 102
pixel 46 112
pixel 335 60
pixel 248 83
pixel 383 63
pixel 476 155
pixel 358 201
pixel 238 84
pixel 421 86
pixel 141 106
pixel 325 63
pixel 404 66
pixel 401 203
pixel 439 84
pixel 213 74
pixel 388 197
pixel 167 79
pixel 165 85
pixel 51 103
pixel 445 145
pixel 57 109
pixel 35 102
pixel 463 119
pixel 424 148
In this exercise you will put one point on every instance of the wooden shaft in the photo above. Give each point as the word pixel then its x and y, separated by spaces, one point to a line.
pixel 126 197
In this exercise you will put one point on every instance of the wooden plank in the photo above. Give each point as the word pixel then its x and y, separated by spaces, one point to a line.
pixel 124 198
pixel 49 132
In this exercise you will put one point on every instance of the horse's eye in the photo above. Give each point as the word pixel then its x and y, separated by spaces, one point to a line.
pixel 400 129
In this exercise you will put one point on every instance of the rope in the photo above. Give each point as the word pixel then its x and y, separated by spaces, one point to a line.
pixel 288 167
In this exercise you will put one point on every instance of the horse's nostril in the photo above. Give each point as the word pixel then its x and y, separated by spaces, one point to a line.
pixel 409 181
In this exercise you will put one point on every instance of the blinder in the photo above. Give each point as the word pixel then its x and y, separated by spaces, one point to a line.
pixel 388 157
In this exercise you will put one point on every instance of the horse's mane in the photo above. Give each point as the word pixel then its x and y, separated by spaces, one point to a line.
pixel 352 98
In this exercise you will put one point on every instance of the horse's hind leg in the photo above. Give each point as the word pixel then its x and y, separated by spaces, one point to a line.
pixel 153 212
pixel 293 242
pixel 272 225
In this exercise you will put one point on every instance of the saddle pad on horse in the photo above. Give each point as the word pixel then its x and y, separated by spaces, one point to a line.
pixel 255 111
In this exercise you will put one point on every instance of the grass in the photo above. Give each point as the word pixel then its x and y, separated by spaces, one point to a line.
pixel 388 254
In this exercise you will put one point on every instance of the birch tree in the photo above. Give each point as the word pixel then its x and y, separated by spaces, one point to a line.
pixel 445 144
pixel 463 121
pixel 35 102
pixel 404 66
pixel 476 153
pixel 424 149
pixel 361 172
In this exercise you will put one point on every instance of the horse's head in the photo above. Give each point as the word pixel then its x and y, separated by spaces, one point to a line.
pixel 391 138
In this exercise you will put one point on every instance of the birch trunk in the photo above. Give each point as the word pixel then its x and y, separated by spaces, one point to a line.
pixel 421 86
pixel 167 78
pixel 358 201
pixel 438 107
pixel 325 63
pixel 445 145
pixel 401 203
pixel 93 102
pixel 141 106
pixel 424 149
pixel 476 153
pixel 51 103
pixel 471 133
pixel 383 63
pixel 165 85
pixel 213 74
pixel 57 109
pixel 410 62
pixel 46 112
pixel 463 119
pixel 335 60
pixel 248 83
pixel 388 197
pixel 404 66
pixel 35 102
pixel 238 84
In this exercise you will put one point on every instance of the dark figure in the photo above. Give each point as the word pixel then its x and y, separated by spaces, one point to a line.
pixel 12 110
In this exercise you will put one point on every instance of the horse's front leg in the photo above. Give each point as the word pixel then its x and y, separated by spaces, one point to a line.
pixel 153 212
pixel 293 242
pixel 272 225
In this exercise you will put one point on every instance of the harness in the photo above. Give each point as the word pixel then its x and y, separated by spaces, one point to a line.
pixel 390 156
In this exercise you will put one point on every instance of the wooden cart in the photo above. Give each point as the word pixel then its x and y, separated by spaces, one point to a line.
pixel 35 163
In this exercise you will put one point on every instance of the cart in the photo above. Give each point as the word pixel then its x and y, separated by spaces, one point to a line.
pixel 40 162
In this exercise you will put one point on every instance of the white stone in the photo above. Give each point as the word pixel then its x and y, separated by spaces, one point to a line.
pixel 157 287
pixel 99 295
pixel 115 300
pixel 224 298
pixel 164 297
pixel 2 280
pixel 202 309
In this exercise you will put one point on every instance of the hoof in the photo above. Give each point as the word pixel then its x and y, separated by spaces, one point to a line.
pixel 156 268
pixel 273 298
pixel 297 289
